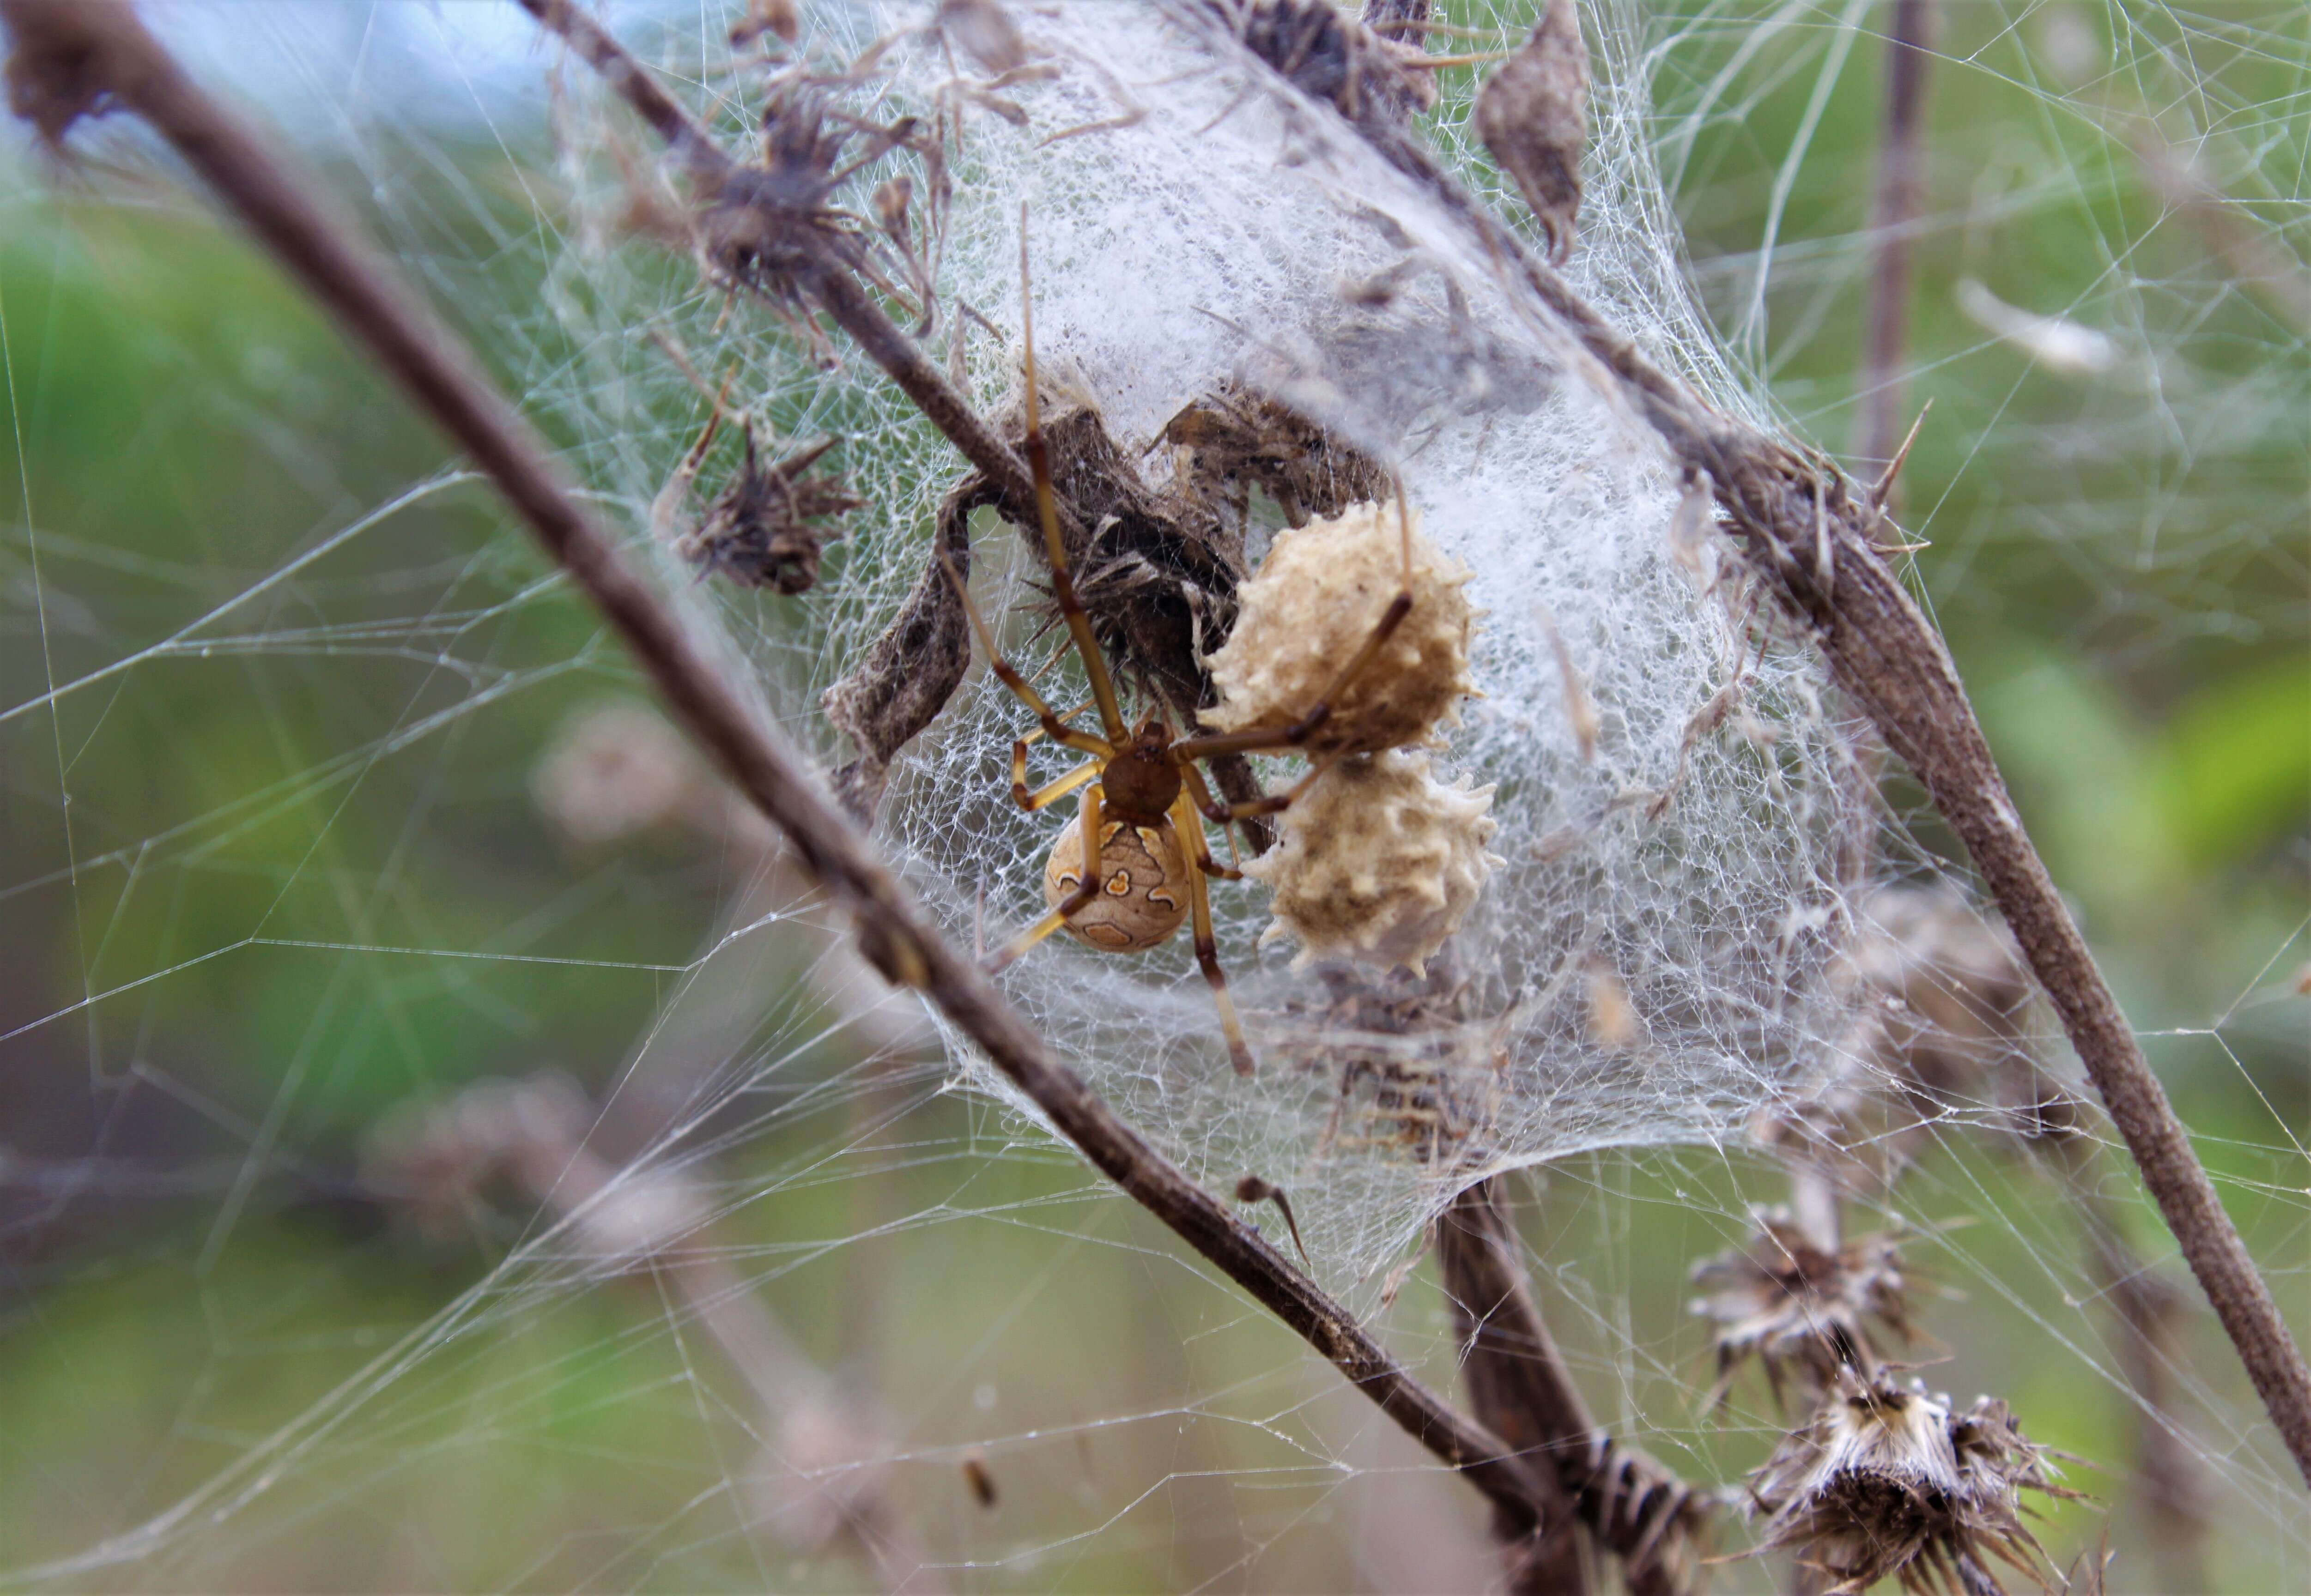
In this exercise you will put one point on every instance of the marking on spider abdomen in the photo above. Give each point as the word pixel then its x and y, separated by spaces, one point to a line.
pixel 1143 891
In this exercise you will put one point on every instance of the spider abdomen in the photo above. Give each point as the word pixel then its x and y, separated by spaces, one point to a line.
pixel 1144 891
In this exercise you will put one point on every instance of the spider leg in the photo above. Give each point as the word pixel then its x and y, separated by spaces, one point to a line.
pixel 1051 792
pixel 668 503
pixel 1039 465
pixel 1193 840
pixel 1066 716
pixel 1208 951
pixel 1278 741
pixel 1202 795
pixel 1075 901
pixel 1053 727
pixel 1273 803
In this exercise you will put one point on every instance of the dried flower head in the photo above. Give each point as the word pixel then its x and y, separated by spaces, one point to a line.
pixel 1888 1482
pixel 617 768
pixel 1795 1305
pixel 759 533
pixel 1940 1030
pixel 1958 991
pixel 438 1163
pixel 1378 861
pixel 1318 595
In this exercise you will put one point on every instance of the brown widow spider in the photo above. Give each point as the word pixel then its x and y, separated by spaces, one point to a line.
pixel 1133 864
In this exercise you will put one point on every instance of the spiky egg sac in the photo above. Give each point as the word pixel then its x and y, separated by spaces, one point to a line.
pixel 1143 894
pixel 1378 861
pixel 1312 605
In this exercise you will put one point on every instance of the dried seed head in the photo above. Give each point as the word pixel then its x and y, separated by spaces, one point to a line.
pixel 1316 599
pixel 1941 1030
pixel 1888 1483
pixel 442 1163
pixel 435 1161
pixel 1791 1304
pixel 616 769
pixel 759 533
pixel 1378 861
pixel 1955 992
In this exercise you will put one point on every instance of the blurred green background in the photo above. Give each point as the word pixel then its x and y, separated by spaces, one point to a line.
pixel 306 674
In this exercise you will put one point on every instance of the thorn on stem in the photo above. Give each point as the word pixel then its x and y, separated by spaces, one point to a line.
pixel 1884 489
pixel 1252 1189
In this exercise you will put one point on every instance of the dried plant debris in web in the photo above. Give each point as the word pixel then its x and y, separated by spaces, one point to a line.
pixel 1533 116
pixel 764 529
pixel 1798 1307
pixel 1894 1482
pixel 1249 321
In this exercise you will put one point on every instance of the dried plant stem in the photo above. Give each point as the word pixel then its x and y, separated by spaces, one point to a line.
pixel 1517 1384
pixel 2169 1478
pixel 1399 21
pixel 1886 323
pixel 1812 536
pixel 89 52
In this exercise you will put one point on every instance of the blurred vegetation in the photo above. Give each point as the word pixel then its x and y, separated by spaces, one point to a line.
pixel 288 814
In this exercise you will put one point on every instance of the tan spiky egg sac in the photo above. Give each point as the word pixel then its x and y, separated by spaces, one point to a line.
pixel 1316 599
pixel 1378 861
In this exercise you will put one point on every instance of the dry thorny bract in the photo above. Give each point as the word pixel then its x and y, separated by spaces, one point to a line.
pixel 1884 1481
pixel 1799 1306
pixel 1251 1189
pixel 773 223
pixel 1941 1035
pixel 1893 1482
pixel 777 17
pixel 763 529
pixel 760 531
pixel 1533 116
pixel 1329 58
pixel 1233 442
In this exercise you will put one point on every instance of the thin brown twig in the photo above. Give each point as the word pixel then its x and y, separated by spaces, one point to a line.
pixel 1894 210
pixel 1399 21
pixel 1516 1382
pixel 2169 1478
pixel 1499 1339
pixel 1885 654
pixel 87 54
